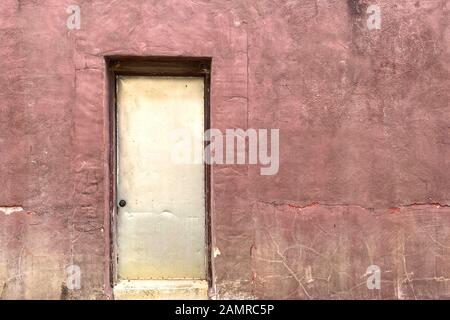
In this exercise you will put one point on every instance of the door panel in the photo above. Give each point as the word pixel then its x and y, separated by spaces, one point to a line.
pixel 161 229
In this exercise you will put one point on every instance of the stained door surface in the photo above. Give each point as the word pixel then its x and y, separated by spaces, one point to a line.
pixel 161 228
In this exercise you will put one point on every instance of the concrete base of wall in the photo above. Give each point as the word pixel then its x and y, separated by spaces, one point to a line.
pixel 161 290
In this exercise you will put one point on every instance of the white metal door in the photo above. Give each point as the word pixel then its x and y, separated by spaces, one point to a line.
pixel 161 228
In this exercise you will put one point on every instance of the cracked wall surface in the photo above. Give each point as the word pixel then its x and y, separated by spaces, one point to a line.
pixel 364 142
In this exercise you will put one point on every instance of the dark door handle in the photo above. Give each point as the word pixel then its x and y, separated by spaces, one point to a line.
pixel 122 203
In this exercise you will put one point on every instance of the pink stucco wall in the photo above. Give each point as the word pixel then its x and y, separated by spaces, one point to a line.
pixel 364 142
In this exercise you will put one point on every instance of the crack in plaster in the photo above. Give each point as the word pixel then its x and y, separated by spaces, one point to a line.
pixel 317 204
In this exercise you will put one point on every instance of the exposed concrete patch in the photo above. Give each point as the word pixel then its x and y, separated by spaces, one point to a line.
pixel 11 209
pixel 231 290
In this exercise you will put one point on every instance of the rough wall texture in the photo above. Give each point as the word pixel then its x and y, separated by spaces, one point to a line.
pixel 364 142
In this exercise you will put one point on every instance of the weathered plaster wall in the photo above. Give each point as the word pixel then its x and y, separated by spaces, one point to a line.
pixel 364 128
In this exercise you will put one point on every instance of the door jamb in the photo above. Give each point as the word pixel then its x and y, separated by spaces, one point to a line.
pixel 152 66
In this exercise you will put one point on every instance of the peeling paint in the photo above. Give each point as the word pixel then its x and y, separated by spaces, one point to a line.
pixel 11 209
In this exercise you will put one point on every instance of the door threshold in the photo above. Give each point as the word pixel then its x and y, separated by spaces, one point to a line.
pixel 161 290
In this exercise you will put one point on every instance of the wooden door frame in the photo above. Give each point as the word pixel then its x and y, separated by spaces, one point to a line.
pixel 152 66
